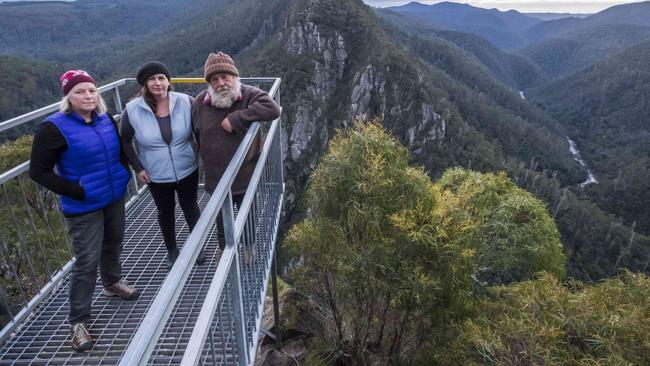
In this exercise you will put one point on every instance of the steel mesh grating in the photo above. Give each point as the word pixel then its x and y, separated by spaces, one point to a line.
pixel 44 338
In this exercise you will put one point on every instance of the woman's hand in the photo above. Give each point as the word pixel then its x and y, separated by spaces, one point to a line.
pixel 143 176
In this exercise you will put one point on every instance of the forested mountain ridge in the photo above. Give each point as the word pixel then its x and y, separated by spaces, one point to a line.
pixel 337 67
pixel 43 28
pixel 503 29
pixel 26 84
pixel 337 62
pixel 573 50
pixel 558 47
pixel 511 69
pixel 609 120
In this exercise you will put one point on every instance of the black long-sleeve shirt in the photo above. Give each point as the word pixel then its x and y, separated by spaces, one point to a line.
pixel 47 147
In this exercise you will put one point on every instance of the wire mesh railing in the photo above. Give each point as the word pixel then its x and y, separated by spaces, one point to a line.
pixel 242 274
pixel 247 260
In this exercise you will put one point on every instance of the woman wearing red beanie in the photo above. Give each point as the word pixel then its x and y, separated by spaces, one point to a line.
pixel 76 153
pixel 160 121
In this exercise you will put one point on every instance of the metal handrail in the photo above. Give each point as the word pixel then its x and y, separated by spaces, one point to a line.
pixel 144 341
pixel 28 117
pixel 147 335
pixel 192 354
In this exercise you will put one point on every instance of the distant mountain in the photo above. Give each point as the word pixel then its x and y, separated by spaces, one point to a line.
pixel 566 45
pixel 582 47
pixel 606 108
pixel 634 13
pixel 503 29
pixel 555 16
pixel 625 14
pixel 511 69
pixel 40 28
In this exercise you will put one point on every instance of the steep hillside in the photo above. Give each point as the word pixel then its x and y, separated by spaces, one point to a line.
pixel 184 44
pixel 511 69
pixel 26 84
pixel 496 111
pixel 576 49
pixel 606 108
pixel 338 63
pixel 40 28
pixel 503 29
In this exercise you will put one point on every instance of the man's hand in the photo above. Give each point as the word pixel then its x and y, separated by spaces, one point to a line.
pixel 143 177
pixel 225 124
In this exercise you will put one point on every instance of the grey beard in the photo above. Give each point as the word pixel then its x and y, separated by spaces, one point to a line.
pixel 225 98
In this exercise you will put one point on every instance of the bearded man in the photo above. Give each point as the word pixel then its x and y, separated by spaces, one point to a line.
pixel 221 115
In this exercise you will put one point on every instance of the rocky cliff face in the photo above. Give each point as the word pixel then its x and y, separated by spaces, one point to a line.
pixel 339 73
pixel 338 64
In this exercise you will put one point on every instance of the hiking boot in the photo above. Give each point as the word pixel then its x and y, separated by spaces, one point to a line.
pixel 81 338
pixel 121 289
pixel 172 255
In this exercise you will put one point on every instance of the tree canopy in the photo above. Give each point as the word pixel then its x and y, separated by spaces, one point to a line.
pixel 388 256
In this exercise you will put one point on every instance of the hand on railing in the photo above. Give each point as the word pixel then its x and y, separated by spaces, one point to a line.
pixel 143 176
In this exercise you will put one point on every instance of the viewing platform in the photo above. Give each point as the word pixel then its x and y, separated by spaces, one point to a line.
pixel 208 314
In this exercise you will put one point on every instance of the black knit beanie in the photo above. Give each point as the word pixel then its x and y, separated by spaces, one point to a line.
pixel 150 69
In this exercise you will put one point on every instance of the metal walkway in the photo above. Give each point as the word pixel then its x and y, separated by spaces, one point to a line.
pixel 44 339
pixel 193 314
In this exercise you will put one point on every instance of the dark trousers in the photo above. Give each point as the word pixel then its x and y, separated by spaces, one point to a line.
pixel 164 196
pixel 96 240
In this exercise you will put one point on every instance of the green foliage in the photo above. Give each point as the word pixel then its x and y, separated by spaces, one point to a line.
pixel 25 85
pixel 542 322
pixel 380 277
pixel 389 256
pixel 14 153
pixel 32 235
pixel 516 236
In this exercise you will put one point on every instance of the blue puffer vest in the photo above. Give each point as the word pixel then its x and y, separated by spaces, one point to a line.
pixel 92 160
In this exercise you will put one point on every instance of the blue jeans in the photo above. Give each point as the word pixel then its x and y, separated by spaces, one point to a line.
pixel 96 240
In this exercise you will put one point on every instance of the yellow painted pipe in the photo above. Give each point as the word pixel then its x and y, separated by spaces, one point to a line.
pixel 188 81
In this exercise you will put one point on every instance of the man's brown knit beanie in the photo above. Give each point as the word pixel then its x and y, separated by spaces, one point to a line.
pixel 219 62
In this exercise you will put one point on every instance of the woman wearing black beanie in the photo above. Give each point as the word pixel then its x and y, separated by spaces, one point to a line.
pixel 160 121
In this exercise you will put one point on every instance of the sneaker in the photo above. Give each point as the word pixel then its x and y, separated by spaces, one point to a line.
pixel 121 289
pixel 81 338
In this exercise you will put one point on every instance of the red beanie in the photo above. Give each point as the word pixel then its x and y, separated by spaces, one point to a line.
pixel 73 77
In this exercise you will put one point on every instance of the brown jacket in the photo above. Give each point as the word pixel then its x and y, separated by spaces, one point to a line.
pixel 217 146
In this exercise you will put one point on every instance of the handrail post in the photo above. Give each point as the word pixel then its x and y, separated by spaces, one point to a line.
pixel 117 100
pixel 236 295
pixel 276 305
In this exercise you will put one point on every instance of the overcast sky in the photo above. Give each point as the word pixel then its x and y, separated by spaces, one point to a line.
pixel 525 6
